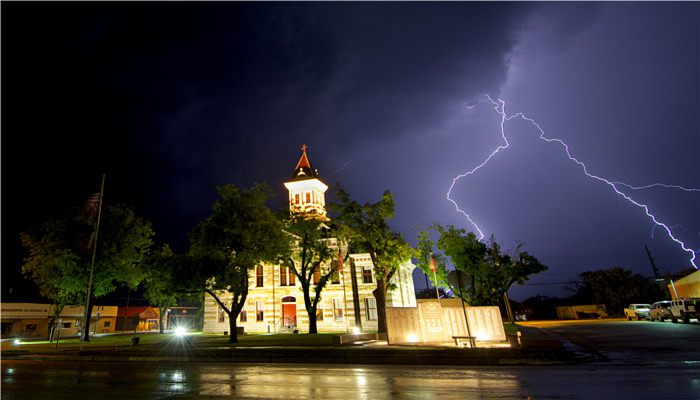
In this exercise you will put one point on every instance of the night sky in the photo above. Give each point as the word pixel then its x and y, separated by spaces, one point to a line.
pixel 172 99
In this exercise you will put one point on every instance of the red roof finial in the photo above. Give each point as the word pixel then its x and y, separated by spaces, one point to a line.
pixel 304 160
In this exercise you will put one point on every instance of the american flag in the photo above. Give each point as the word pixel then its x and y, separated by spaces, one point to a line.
pixel 340 261
pixel 92 206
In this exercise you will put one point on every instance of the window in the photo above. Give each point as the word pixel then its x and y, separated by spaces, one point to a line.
pixel 259 311
pixel 66 325
pixel 296 198
pixel 287 277
pixel 107 324
pixel 283 275
pixel 244 316
pixel 259 276
pixel 317 275
pixel 319 312
pixel 337 310
pixel 367 274
pixel 220 314
pixel 308 197
pixel 30 328
pixel 371 308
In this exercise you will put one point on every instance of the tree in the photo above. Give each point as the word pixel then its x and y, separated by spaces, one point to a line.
pixel 366 228
pixel 490 272
pixel 240 233
pixel 160 282
pixel 422 254
pixel 308 261
pixel 616 288
pixel 59 255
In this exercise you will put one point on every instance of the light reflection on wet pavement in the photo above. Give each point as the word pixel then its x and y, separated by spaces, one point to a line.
pixel 53 380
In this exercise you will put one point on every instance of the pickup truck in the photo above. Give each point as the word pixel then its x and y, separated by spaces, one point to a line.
pixel 637 311
pixel 685 309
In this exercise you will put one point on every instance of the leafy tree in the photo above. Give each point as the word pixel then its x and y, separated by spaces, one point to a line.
pixel 366 228
pixel 240 233
pixel 422 253
pixel 616 288
pixel 490 272
pixel 160 282
pixel 60 255
pixel 308 261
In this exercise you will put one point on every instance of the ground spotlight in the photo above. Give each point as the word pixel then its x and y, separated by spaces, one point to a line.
pixel 180 331
pixel 17 342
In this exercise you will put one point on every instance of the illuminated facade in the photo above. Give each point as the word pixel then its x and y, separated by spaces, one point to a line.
pixel 275 300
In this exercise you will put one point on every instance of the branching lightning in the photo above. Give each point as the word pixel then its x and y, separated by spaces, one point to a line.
pixel 500 107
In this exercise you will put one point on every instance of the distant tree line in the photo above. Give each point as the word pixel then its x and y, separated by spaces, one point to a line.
pixel 614 287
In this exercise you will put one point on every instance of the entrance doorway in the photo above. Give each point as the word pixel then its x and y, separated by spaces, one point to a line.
pixel 289 312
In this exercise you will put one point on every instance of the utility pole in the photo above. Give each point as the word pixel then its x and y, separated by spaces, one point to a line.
pixel 653 264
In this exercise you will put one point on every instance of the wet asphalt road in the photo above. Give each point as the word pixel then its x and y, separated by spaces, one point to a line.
pixel 636 360
pixel 27 380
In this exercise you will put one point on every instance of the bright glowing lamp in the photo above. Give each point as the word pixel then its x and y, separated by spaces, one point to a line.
pixel 412 338
pixel 356 331
pixel 180 331
pixel 17 342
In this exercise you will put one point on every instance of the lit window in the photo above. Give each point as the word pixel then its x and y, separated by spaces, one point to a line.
pixel 287 277
pixel 337 310
pixel 296 198
pixel 371 308
pixel 308 197
pixel 259 276
pixel 367 274
pixel 319 312
pixel 317 275
pixel 220 314
pixel 259 311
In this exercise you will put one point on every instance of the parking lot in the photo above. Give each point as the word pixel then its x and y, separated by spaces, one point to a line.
pixel 622 341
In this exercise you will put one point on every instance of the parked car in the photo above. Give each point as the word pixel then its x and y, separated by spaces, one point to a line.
pixel 660 311
pixel 637 311
pixel 685 309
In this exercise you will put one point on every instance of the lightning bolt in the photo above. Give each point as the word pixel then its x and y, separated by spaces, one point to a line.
pixel 342 167
pixel 500 107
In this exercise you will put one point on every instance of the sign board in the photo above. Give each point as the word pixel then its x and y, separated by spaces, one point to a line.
pixel 24 310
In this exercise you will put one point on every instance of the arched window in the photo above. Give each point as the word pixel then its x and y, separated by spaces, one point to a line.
pixel 289 299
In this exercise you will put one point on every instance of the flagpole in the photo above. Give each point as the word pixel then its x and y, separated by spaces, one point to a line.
pixel 345 296
pixel 433 267
pixel 88 302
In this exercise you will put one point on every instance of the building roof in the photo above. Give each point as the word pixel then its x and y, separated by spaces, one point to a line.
pixel 137 312
pixel 304 170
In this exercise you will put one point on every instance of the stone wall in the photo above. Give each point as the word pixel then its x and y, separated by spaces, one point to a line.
pixel 432 322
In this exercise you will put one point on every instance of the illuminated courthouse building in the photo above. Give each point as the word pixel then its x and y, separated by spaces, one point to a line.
pixel 275 300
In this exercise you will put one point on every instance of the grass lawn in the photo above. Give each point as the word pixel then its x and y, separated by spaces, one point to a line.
pixel 154 340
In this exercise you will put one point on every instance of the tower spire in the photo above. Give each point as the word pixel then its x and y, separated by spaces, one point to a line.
pixel 306 191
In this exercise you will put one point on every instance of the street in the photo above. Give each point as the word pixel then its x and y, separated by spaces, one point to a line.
pixel 48 380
